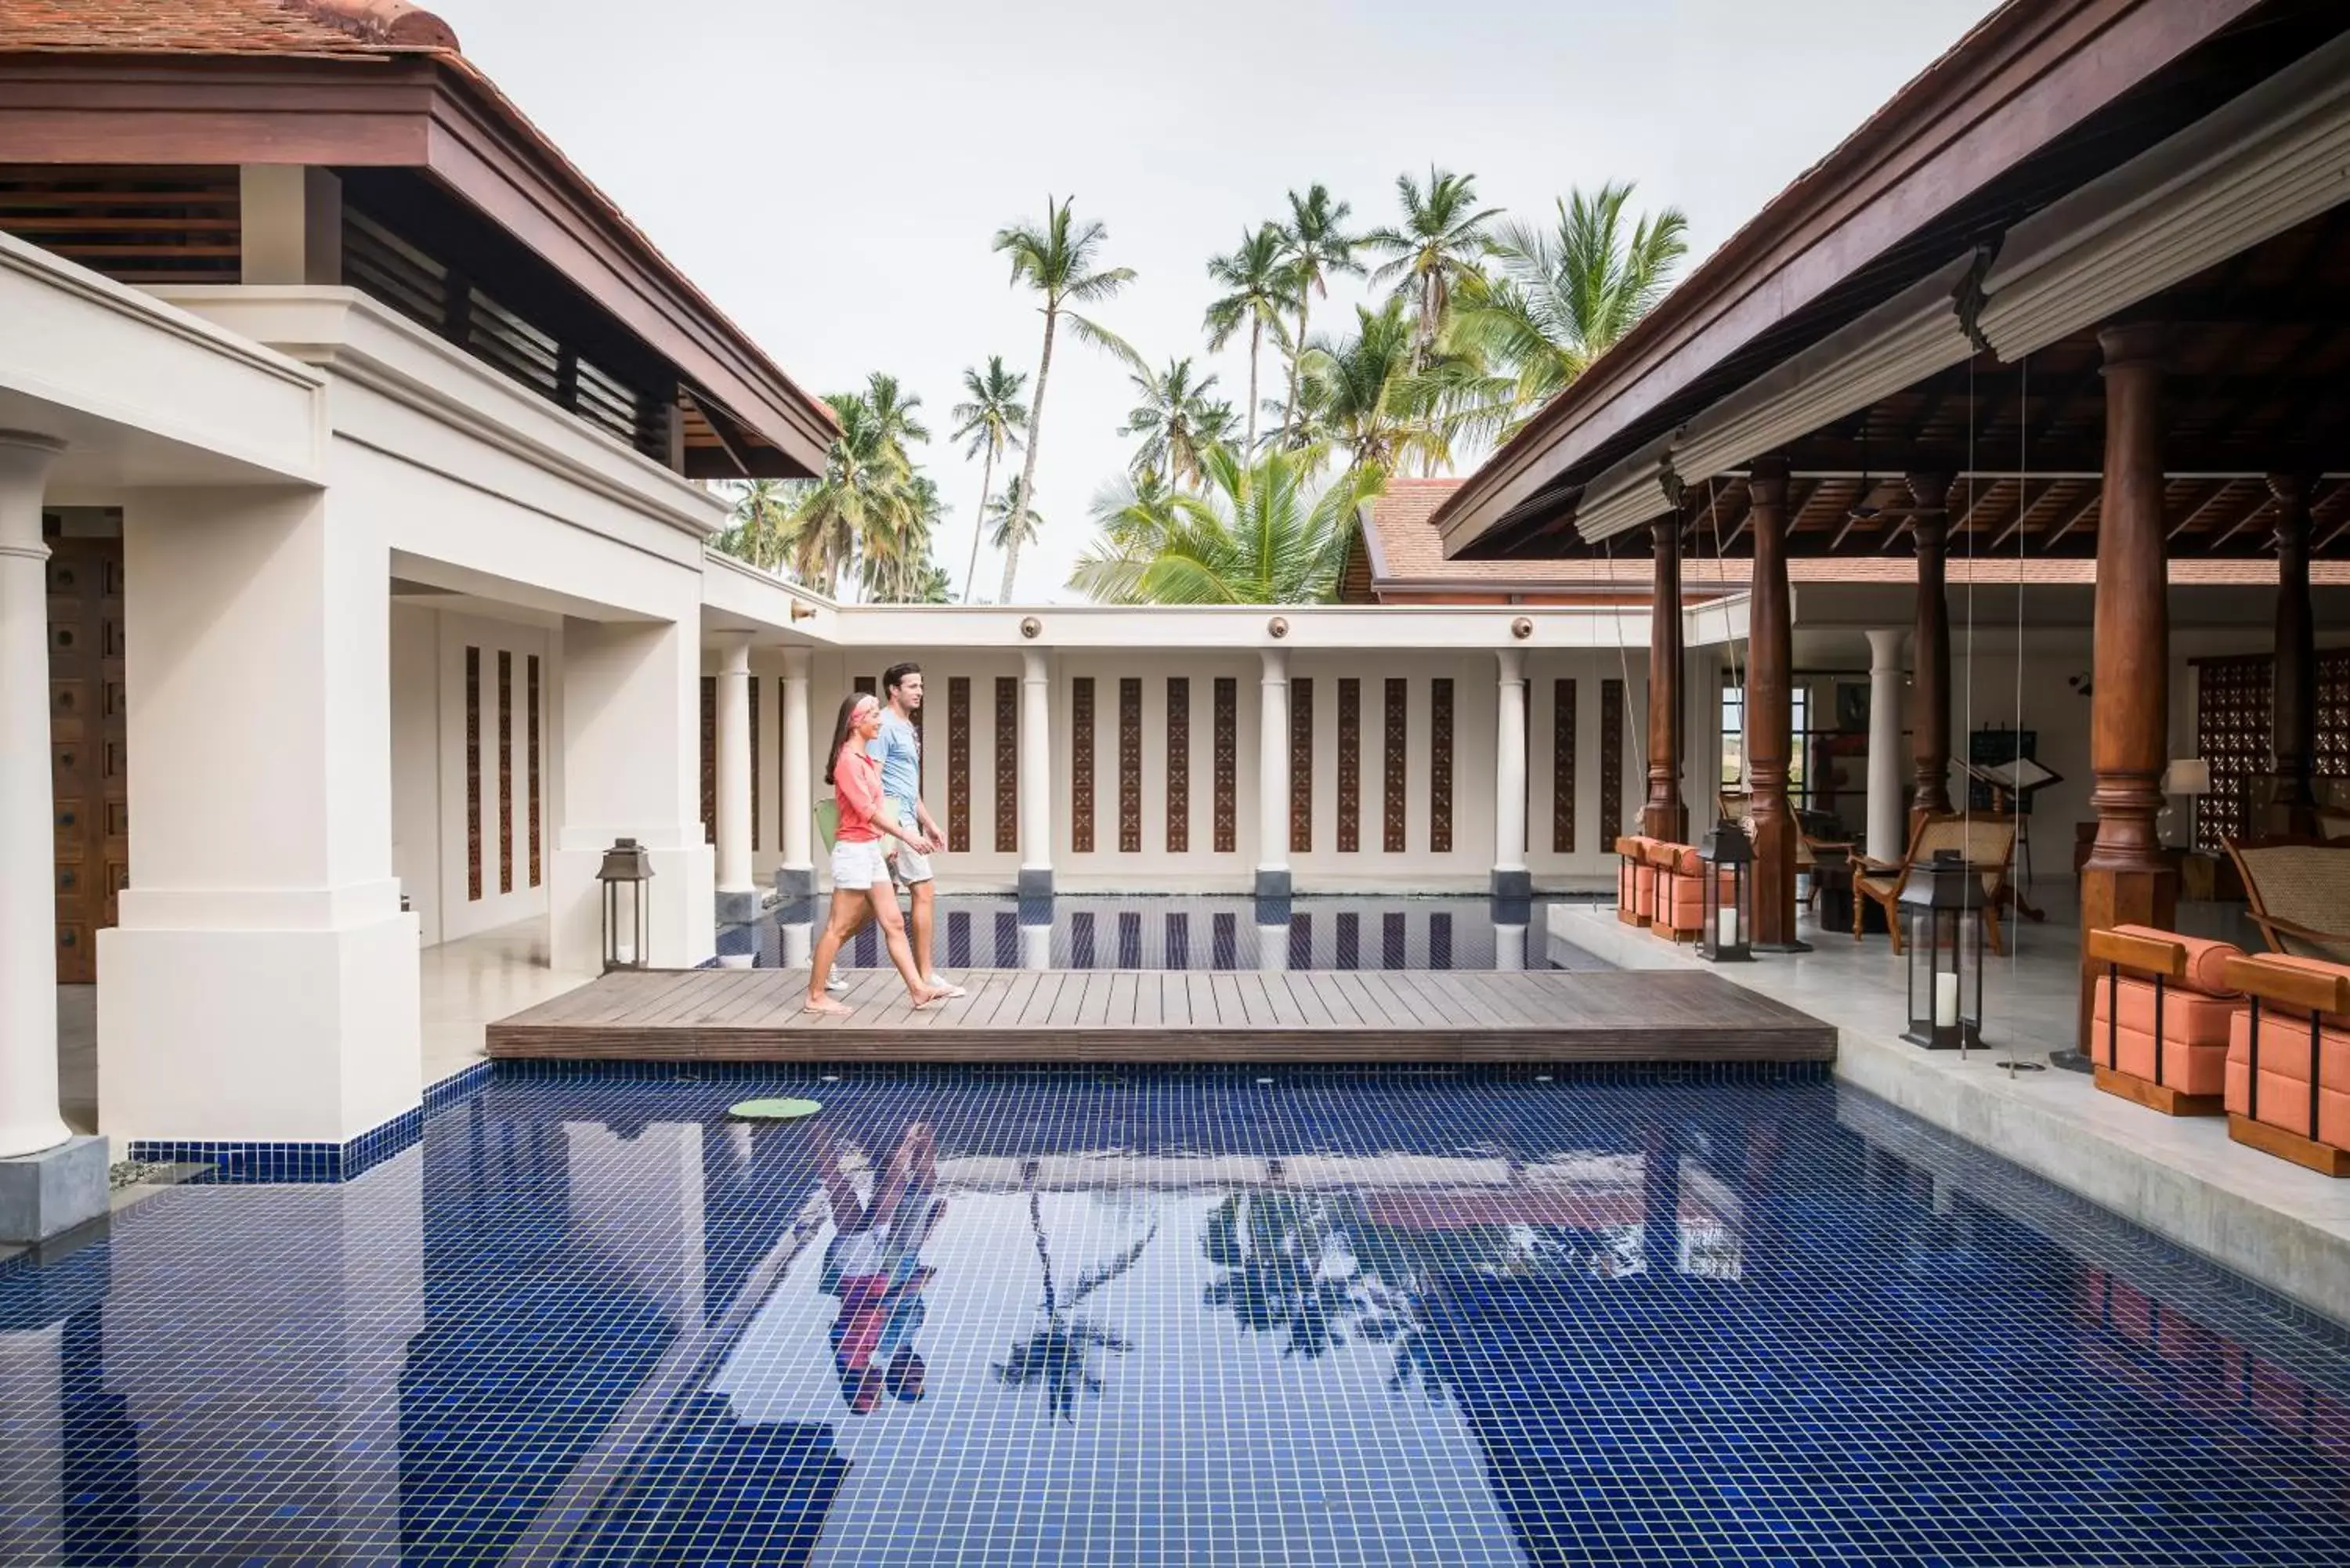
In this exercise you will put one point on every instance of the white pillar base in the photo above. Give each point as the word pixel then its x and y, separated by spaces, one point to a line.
pixel 257 1035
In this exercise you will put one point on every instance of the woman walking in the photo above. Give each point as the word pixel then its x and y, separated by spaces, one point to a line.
pixel 860 882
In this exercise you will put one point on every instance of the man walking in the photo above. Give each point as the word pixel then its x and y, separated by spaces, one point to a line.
pixel 899 749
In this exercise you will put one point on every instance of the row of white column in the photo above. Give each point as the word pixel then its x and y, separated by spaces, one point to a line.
pixel 738 891
pixel 29 1121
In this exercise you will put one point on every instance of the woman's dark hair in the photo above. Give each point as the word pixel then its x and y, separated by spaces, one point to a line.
pixel 840 734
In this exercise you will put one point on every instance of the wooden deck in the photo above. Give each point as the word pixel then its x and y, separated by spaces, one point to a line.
pixel 1154 1015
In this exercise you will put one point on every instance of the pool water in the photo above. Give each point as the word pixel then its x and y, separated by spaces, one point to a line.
pixel 1323 931
pixel 1161 1316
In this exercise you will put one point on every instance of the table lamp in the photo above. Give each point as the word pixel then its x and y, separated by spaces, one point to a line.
pixel 2190 776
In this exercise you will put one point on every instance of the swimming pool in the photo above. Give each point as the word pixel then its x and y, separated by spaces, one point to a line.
pixel 1163 1316
pixel 1325 932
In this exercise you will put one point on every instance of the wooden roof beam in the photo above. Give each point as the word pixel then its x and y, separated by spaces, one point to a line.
pixel 2081 514
pixel 2218 492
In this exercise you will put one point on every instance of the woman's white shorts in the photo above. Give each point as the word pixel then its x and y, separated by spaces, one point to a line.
pixel 856 867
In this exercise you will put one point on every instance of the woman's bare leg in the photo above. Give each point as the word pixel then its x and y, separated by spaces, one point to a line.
pixel 885 915
pixel 840 923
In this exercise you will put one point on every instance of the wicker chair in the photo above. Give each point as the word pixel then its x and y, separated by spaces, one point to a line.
pixel 1985 841
pixel 2300 896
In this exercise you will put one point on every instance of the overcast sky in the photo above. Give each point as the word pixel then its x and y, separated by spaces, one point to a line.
pixel 832 174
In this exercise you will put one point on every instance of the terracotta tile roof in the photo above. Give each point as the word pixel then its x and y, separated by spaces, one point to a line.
pixel 1407 550
pixel 220 26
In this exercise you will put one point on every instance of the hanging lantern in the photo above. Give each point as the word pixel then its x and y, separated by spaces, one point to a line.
pixel 1946 968
pixel 627 914
pixel 1727 864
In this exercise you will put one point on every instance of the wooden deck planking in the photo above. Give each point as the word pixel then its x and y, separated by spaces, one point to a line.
pixel 1111 1015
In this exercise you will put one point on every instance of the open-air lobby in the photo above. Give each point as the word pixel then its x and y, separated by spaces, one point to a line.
pixel 1746 961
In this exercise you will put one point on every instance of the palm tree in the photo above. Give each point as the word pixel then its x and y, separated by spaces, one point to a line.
pixel 1174 420
pixel 987 424
pixel 1315 248
pixel 1369 397
pixel 1564 297
pixel 1000 513
pixel 870 504
pixel 1057 259
pixel 1256 533
pixel 896 562
pixel 760 531
pixel 1435 249
pixel 1261 288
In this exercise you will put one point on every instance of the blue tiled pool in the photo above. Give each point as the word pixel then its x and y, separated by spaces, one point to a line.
pixel 1183 1316
pixel 1328 932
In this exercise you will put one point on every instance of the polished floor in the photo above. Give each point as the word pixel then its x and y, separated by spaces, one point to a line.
pixel 1303 1316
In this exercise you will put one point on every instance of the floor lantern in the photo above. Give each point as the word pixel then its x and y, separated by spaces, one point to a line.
pixel 627 914
pixel 1727 864
pixel 1946 972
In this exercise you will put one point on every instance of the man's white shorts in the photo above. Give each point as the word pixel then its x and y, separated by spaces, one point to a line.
pixel 857 865
pixel 913 865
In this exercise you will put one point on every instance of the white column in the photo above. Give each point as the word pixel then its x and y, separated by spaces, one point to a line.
pixel 28 916
pixel 1888 802
pixel 738 895
pixel 795 878
pixel 1273 777
pixel 261 982
pixel 1510 878
pixel 631 748
pixel 1035 773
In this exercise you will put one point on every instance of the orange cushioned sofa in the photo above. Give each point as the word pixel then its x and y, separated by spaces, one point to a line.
pixel 2288 1086
pixel 2161 1020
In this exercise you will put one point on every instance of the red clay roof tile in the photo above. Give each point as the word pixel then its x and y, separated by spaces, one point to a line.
pixel 192 27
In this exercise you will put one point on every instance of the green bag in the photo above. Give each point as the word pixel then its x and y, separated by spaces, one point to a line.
pixel 827 822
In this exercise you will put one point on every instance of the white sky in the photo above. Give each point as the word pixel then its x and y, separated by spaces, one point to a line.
pixel 832 174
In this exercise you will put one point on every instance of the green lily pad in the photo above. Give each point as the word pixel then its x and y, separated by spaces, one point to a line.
pixel 773 1110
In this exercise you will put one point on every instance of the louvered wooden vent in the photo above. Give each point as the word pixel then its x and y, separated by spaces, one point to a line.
pixel 134 224
pixel 433 296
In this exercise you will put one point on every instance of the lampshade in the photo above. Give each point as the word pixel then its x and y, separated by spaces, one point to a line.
pixel 2187 776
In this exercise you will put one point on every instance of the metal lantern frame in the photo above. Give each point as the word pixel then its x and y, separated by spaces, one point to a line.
pixel 1936 902
pixel 626 865
pixel 1729 850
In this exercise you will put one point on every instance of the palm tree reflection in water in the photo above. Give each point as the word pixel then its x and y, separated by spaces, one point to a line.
pixel 1059 1354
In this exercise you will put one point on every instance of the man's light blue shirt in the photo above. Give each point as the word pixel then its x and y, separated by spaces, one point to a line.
pixel 899 749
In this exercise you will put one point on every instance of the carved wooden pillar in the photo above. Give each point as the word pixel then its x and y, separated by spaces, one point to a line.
pixel 1664 815
pixel 1770 710
pixel 2126 879
pixel 1930 659
pixel 2294 692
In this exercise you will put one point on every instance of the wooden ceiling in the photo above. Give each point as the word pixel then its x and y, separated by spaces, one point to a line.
pixel 2257 382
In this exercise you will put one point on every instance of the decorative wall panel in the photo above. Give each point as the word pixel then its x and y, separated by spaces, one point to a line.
pixel 1129 764
pixel 1081 764
pixel 1350 765
pixel 1301 766
pixel 472 775
pixel 1007 764
pixel 1178 764
pixel 710 759
pixel 752 683
pixel 505 771
pixel 866 686
pixel 1440 767
pixel 1562 767
pixel 530 668
pixel 1394 830
pixel 1228 749
pixel 2333 760
pixel 1611 762
pixel 2232 722
pixel 958 762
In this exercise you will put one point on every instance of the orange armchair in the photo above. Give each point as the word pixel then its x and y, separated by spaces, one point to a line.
pixel 2161 1020
pixel 2289 1059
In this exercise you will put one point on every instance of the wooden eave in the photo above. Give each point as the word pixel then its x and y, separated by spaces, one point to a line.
pixel 431 112
pixel 1918 183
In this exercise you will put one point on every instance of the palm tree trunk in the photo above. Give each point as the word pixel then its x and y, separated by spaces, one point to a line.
pixel 979 519
pixel 1296 352
pixel 1028 464
pixel 1256 337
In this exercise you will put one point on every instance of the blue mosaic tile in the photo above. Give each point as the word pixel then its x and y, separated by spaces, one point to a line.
pixel 1611 1314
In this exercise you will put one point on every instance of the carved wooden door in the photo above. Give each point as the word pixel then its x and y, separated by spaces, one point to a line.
pixel 86 745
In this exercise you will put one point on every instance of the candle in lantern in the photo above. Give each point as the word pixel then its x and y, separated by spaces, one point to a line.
pixel 1946 1001
pixel 1726 928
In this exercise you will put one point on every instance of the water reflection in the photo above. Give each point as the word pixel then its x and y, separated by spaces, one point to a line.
pixel 1157 1318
